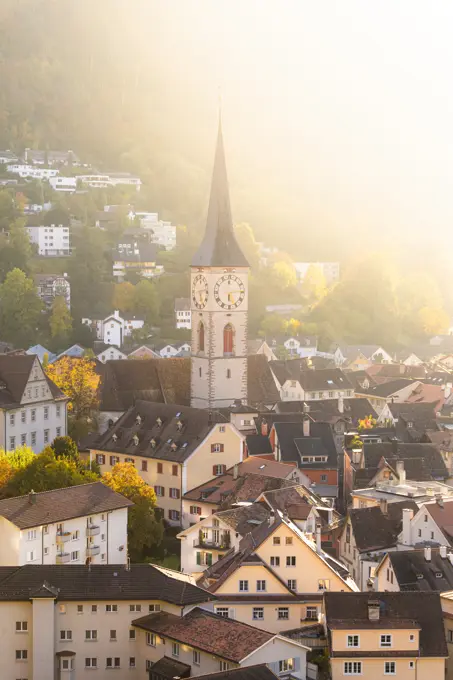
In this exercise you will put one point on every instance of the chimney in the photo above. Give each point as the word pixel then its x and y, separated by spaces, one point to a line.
pixel 306 426
pixel 373 610
pixel 235 471
pixel 271 519
pixel 340 404
pixel 395 445
pixel 400 471
pixel 32 497
pixel 407 529
pixel 443 551
pixel 447 392
pixel 428 554
pixel 318 538
pixel 384 505
pixel 264 428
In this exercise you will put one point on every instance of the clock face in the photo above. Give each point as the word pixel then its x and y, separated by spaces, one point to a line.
pixel 229 291
pixel 199 291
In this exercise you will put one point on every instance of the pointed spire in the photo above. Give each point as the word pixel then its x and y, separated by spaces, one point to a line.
pixel 219 247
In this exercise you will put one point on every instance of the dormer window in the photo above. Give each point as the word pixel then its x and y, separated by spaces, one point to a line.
pixel 153 443
pixel 174 446
pixel 135 439
pixel 169 441
pixel 138 419
pixel 159 422
pixel 179 425
pixel 419 577
pixel 439 574
pixel 114 437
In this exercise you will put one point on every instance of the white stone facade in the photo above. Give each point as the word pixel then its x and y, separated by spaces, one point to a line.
pixel 219 298
pixel 114 328
pixel 52 240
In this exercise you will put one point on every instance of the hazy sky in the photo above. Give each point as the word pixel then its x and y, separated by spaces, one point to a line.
pixel 337 115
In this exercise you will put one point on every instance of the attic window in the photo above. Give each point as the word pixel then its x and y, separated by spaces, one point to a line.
pixel 158 422
pixel 179 425
pixel 419 577
pixel 262 467
pixel 178 415
pixel 203 495
pixel 169 441
pixel 174 446
pixel 114 437
pixel 185 445
pixel 330 382
pixel 138 419
pixel 439 574
pixel 135 439
pixel 153 443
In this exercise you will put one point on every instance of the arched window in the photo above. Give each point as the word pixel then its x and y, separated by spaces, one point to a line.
pixel 228 339
pixel 201 337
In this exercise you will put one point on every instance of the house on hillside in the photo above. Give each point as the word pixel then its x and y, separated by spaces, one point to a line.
pixel 183 313
pixel 296 384
pixel 358 357
pixel 114 328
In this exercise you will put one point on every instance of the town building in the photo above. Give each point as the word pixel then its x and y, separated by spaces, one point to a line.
pixel 8 157
pixel 208 497
pixel 395 490
pixel 110 179
pixel 67 622
pixel 143 352
pixel 183 313
pixel 219 301
pixel 114 328
pixel 174 448
pixel 50 286
pixel 27 171
pixel 85 524
pixel 422 569
pixel 295 383
pixel 260 346
pixel 360 357
pixel 377 634
pixel 49 157
pixel 52 240
pixel 136 256
pixel 163 233
pixel 32 408
pixel 105 353
pixel 277 578
pixel 64 184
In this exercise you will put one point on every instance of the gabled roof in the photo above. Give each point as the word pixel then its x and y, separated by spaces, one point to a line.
pixel 213 634
pixel 48 507
pixel 386 389
pixel 219 247
pixel 14 374
pixel 352 351
pixel 396 610
pixel 393 451
pixel 164 431
pixel 414 572
pixel 311 379
pixel 374 530
pixel 442 514
pixel 259 672
pixel 258 444
pixel 293 444
pixel 100 582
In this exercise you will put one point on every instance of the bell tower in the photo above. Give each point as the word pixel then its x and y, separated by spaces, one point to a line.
pixel 219 302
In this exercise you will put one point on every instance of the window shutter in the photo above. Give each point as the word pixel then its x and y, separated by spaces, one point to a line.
pixel 112 458
pixel 162 491
pixel 198 511
pixel 214 470
pixel 222 447
pixel 223 469
pixel 178 494
pixel 212 448
pixel 208 559
pixel 198 558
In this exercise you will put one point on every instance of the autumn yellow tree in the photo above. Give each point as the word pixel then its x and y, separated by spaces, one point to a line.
pixel 123 296
pixel 145 531
pixel 78 379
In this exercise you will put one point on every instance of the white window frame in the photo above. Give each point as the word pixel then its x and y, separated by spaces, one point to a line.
pixel 243 586
pixel 383 642
pixel 352 668
pixel 387 666
pixel 351 641
pixel 258 613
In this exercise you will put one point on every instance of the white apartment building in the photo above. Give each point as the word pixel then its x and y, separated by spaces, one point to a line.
pixel 66 623
pixel 164 233
pixel 113 329
pixel 52 240
pixel 330 270
pixel 31 171
pixel 33 410
pixel 111 179
pixel 84 524
pixel 67 184
pixel 183 313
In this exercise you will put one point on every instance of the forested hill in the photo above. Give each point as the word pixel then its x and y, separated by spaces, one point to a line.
pixel 81 75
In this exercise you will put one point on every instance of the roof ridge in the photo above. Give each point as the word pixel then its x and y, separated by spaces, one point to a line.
pixel 62 488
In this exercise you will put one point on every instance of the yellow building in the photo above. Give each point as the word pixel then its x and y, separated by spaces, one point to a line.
pixel 276 579
pixel 174 448
pixel 380 634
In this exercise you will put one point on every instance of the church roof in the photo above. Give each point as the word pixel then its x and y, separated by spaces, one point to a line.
pixel 219 247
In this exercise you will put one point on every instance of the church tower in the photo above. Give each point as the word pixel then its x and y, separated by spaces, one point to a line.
pixel 219 302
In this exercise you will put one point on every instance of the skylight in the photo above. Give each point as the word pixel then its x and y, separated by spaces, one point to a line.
pixel 262 467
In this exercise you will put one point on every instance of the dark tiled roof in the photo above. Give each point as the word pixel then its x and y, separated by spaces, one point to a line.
pixel 168 381
pixel 244 519
pixel 171 668
pixel 424 610
pixel 388 388
pixel 181 431
pixel 100 582
pixel 14 374
pixel 311 380
pixel 259 672
pixel 403 451
pixel 258 444
pixel 373 530
pixel 293 444
pixel 48 507
pixel 219 247
pixel 414 572
pixel 442 514
pixel 213 634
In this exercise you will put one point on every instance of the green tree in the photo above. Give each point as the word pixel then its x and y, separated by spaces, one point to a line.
pixel 123 297
pixel 65 447
pixel 60 320
pixel 283 275
pixel 88 269
pixel 15 250
pixel 146 302
pixel 44 473
pixel 20 309
pixel 145 531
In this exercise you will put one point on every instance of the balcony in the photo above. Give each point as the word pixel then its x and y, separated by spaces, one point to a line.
pixel 93 550
pixel 93 530
pixel 221 542
pixel 63 536
pixel 62 558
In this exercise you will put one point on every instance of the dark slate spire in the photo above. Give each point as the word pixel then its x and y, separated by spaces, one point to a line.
pixel 219 247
